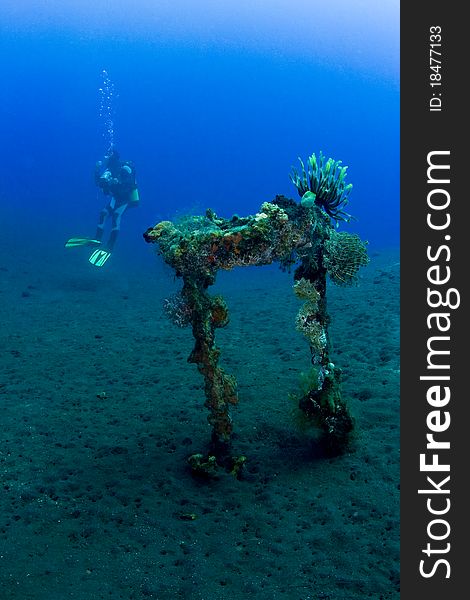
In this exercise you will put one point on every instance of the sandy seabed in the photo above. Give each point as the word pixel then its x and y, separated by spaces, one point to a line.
pixel 100 410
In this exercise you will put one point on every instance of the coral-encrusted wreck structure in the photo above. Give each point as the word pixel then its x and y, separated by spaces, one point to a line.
pixel 284 231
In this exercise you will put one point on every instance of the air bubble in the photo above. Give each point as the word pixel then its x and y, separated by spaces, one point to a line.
pixel 107 94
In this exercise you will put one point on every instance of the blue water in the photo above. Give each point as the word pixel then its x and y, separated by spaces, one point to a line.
pixel 214 105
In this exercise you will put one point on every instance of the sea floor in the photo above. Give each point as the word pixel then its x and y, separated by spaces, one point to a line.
pixel 100 410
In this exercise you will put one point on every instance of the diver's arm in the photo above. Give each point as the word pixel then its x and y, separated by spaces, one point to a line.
pixel 98 167
pixel 107 182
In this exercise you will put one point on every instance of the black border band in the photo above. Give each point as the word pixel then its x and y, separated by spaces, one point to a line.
pixel 434 288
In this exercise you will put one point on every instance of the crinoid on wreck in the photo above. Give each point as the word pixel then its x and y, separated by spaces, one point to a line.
pixel 292 234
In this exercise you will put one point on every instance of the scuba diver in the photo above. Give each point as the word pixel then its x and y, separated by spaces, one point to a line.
pixel 116 178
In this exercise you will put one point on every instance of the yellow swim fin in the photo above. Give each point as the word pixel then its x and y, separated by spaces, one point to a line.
pixel 99 257
pixel 74 242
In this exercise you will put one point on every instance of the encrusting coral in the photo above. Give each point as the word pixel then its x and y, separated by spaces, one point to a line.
pixel 286 232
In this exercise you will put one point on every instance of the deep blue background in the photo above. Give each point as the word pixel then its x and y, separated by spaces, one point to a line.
pixel 207 124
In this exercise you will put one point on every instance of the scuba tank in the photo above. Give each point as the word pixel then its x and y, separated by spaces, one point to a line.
pixel 134 197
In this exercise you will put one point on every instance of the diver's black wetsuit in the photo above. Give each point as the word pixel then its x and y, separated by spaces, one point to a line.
pixel 117 180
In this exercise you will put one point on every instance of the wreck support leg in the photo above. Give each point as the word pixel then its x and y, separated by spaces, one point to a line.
pixel 208 313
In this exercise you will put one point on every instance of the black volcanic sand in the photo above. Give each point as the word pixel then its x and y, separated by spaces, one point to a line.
pixel 100 411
